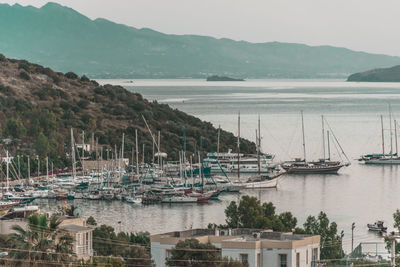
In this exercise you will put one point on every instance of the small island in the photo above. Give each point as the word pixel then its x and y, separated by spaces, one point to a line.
pixel 377 75
pixel 216 78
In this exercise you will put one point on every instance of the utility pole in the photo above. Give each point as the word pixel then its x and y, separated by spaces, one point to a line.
pixel 392 237
pixel 341 238
pixel 353 225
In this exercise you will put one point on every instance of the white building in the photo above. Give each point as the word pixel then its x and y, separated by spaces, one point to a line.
pixel 256 247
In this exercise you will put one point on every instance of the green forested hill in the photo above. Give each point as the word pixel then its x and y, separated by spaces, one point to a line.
pixel 65 40
pixel 38 107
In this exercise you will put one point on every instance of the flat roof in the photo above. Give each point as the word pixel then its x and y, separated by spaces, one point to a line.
pixel 75 228
pixel 251 238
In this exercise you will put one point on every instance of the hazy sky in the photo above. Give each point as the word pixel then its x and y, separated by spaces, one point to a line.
pixel 366 25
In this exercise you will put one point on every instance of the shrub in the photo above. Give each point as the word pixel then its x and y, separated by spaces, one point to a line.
pixel 84 79
pixel 24 65
pixel 83 103
pixel 2 58
pixel 71 75
pixel 24 75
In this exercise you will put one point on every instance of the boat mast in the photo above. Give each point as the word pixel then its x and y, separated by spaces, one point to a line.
pixel 218 136
pixel 200 172
pixel 122 152
pixel 29 168
pixel 73 154
pixel 304 139
pixel 143 154
pixel 8 183
pixel 383 137
pixel 158 147
pixel 329 146
pixel 391 133
pixel 83 152
pixel 238 147
pixel 323 137
pixel 395 137
pixel 184 144
pixel 137 153
pixel 258 136
pixel 191 170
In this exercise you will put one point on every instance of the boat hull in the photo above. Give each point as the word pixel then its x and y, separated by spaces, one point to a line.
pixel 273 183
pixel 314 170
pixel 383 161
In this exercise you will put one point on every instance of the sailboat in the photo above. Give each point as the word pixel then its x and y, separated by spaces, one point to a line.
pixel 323 166
pixel 268 179
pixel 384 158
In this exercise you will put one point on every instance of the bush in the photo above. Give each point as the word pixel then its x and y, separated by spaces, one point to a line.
pixel 71 75
pixel 83 103
pixel 84 79
pixel 24 65
pixel 2 58
pixel 24 75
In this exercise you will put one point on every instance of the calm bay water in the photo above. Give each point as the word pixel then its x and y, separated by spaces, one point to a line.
pixel 359 193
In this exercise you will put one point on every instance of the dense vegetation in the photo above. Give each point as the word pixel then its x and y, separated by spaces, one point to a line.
pixel 43 243
pixel 65 40
pixel 377 75
pixel 133 248
pixel 250 213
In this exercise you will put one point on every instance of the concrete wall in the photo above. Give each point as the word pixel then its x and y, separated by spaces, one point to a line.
pixel 159 253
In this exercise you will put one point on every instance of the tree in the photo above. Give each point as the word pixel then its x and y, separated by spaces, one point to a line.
pixel 188 253
pixel 251 214
pixel 42 241
pixel 388 241
pixel 42 145
pixel 331 242
pixel 232 215
pixel 128 246
pixel 14 128
pixel 91 221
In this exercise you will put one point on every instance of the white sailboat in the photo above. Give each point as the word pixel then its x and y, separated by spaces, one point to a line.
pixel 385 158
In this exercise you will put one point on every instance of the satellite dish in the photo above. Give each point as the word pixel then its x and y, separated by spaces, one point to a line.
pixel 77 212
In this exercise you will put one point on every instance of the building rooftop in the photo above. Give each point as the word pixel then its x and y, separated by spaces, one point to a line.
pixel 75 228
pixel 230 237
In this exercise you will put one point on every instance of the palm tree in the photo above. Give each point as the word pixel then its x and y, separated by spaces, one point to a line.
pixel 42 242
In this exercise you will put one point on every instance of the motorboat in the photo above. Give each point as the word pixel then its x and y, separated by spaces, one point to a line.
pixel 179 199
pixel 135 200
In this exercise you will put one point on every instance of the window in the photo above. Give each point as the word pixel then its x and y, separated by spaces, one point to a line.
pixel 282 260
pixel 314 257
pixel 307 256
pixel 168 254
pixel 297 259
pixel 244 258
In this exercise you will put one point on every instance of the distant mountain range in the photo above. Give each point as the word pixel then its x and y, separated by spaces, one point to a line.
pixel 377 75
pixel 66 40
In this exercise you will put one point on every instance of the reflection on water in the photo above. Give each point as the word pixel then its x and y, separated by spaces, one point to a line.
pixel 358 193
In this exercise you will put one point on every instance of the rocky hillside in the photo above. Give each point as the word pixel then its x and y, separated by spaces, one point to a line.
pixel 66 40
pixel 377 75
pixel 39 106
